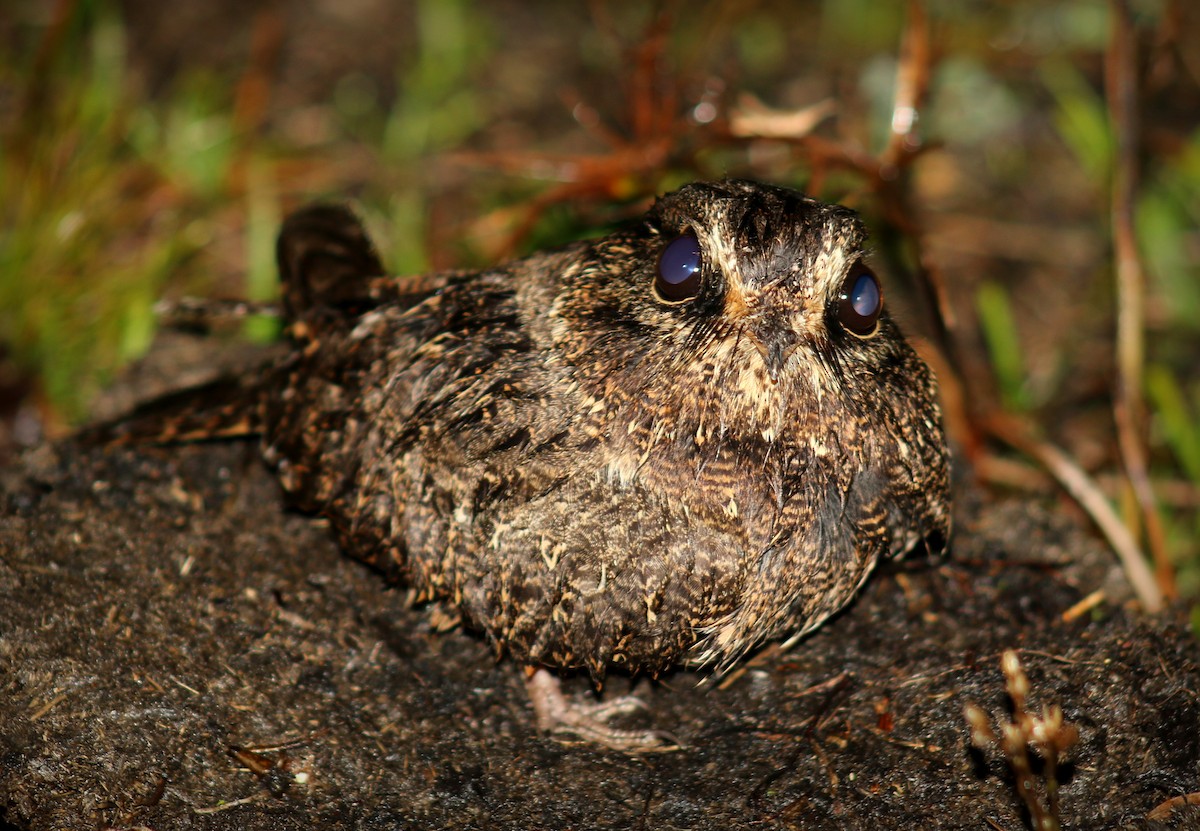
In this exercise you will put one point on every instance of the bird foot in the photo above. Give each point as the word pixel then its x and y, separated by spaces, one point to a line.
pixel 560 715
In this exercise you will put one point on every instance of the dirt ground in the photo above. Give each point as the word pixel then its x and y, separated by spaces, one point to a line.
pixel 177 650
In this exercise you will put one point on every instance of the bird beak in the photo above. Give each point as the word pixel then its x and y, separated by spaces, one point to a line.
pixel 772 333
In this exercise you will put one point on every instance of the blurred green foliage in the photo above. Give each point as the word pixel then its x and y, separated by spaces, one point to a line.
pixel 1081 118
pixel 435 109
pixel 1167 215
pixel 81 261
pixel 1000 333
pixel 106 194
pixel 1176 407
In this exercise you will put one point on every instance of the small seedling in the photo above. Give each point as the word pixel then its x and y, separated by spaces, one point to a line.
pixel 1048 734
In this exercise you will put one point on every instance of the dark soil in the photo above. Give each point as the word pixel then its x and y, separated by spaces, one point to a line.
pixel 161 611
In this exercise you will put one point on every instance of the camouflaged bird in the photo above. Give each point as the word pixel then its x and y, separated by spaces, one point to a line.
pixel 660 447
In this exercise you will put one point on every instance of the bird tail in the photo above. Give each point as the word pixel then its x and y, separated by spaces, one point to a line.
pixel 226 408
pixel 325 261
pixel 326 265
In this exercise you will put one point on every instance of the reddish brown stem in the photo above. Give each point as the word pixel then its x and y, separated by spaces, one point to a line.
pixel 1128 406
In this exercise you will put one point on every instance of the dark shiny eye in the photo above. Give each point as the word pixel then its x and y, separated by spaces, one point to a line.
pixel 860 302
pixel 679 264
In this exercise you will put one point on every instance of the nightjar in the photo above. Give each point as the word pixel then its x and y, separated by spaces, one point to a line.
pixel 660 447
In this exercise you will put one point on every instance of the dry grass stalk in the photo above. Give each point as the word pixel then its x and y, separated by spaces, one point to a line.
pixel 1128 406
pixel 1076 482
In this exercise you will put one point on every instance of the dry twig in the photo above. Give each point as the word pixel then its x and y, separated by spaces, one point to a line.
pixel 1163 811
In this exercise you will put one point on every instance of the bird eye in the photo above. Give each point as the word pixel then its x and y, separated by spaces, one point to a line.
pixel 860 302
pixel 679 264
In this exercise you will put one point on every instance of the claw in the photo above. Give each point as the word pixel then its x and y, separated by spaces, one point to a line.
pixel 560 715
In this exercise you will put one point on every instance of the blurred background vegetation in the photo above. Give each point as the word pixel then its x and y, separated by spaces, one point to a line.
pixel 149 150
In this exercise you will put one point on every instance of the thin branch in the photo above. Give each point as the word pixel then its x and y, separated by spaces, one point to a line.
pixel 914 71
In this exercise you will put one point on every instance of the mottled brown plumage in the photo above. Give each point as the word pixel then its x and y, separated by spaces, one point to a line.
pixel 598 467
pixel 593 475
